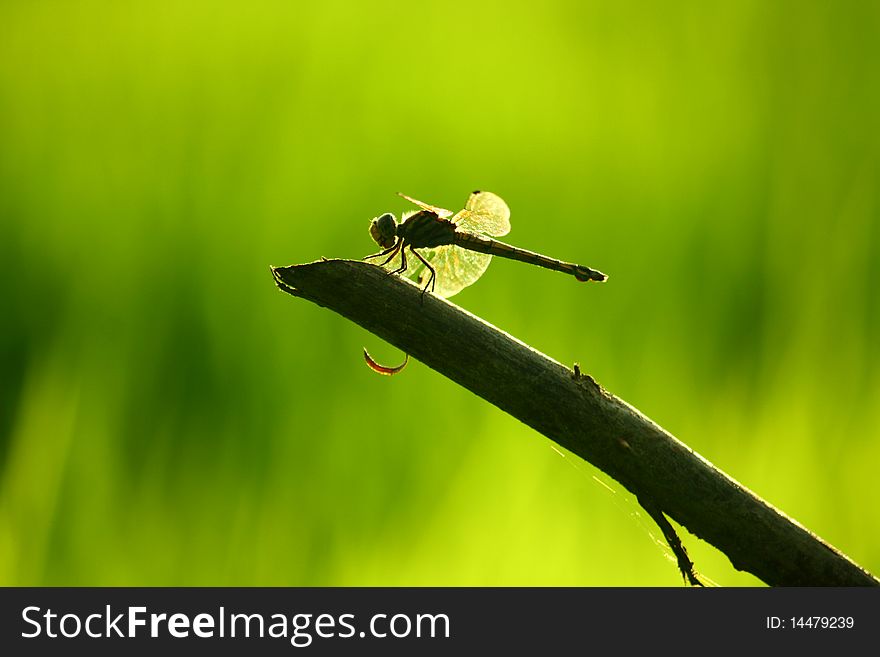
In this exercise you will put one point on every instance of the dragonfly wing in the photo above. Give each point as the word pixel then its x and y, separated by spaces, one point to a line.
pixel 456 268
pixel 440 212
pixel 486 213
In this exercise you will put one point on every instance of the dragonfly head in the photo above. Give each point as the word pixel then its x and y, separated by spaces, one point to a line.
pixel 383 230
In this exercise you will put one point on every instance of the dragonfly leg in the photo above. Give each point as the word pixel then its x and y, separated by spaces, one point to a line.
pixel 402 267
pixel 430 268
pixel 392 251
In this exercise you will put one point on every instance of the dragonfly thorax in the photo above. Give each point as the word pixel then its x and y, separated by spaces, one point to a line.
pixel 425 230
pixel 383 230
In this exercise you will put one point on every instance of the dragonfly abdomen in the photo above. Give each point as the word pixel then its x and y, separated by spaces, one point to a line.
pixel 494 247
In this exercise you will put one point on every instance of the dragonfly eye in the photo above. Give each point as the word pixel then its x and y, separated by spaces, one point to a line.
pixel 384 230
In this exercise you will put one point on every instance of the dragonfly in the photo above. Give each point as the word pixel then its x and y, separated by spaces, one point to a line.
pixel 454 249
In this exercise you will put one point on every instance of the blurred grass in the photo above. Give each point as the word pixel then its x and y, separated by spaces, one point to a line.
pixel 168 418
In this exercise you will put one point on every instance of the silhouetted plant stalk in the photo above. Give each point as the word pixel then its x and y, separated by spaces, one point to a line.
pixel 570 408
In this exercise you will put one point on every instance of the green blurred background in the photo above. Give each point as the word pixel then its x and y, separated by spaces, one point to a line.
pixel 167 417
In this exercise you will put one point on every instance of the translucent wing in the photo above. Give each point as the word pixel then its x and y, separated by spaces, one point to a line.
pixel 486 213
pixel 456 268
pixel 440 212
